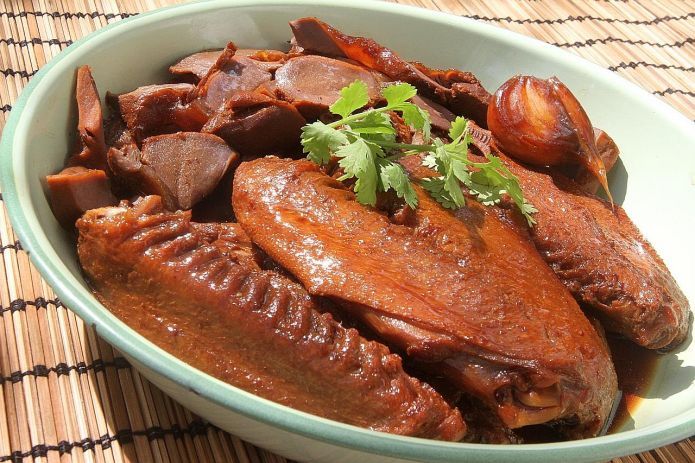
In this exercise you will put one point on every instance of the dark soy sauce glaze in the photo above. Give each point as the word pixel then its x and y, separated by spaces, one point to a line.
pixel 635 367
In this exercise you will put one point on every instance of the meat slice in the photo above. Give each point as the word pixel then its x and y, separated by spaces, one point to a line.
pixel 459 91
pixel 194 67
pixel 313 83
pixel 90 126
pixel 158 109
pixel 199 295
pixel 75 190
pixel 255 124
pixel 182 168
pixel 600 255
pixel 230 74
pixel 465 295
pixel 440 117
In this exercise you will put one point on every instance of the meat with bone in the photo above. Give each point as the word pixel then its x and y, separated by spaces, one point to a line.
pixel 460 91
pixel 464 294
pixel 598 253
pixel 206 301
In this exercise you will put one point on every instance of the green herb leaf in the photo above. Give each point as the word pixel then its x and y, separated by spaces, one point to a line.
pixel 458 127
pixel 319 141
pixel 358 160
pixel 352 98
pixel 398 93
pixel 393 176
pixel 360 140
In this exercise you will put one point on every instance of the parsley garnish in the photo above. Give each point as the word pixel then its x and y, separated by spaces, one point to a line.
pixel 365 144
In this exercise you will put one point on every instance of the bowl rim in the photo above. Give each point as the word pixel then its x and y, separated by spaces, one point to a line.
pixel 77 298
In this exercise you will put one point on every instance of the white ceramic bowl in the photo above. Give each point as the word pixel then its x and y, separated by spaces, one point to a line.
pixel 656 183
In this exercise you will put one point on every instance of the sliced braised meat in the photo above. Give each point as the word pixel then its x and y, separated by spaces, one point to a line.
pixel 194 295
pixel 459 91
pixel 313 83
pixel 158 109
pixel 600 256
pixel 255 124
pixel 90 128
pixel 464 293
pixel 229 74
pixel 182 168
pixel 75 190
pixel 440 117
pixel 193 67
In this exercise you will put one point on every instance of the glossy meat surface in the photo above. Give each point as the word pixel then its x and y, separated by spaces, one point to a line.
pixel 600 256
pixel 75 190
pixel 465 294
pixel 197 292
pixel 459 91
pixel 255 124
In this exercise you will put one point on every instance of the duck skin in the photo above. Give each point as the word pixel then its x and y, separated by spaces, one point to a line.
pixel 600 255
pixel 464 295
pixel 196 290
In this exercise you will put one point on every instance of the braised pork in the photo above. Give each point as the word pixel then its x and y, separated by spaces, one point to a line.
pixel 201 296
pixel 75 190
pixel 91 151
pixel 465 293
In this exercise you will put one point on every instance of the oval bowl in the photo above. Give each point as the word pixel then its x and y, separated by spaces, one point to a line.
pixel 655 183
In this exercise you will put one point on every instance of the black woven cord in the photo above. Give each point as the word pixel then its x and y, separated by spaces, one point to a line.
pixel 7 108
pixel 57 14
pixel 16 246
pixel 124 436
pixel 672 91
pixel 35 41
pixel 12 72
pixel 590 42
pixel 64 369
pixel 636 64
pixel 582 18
pixel 20 304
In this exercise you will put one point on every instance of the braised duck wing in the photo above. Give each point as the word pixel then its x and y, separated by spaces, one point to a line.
pixel 459 91
pixel 600 256
pixel 200 295
pixel 465 293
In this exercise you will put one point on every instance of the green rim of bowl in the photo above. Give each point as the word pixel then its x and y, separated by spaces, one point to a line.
pixel 15 190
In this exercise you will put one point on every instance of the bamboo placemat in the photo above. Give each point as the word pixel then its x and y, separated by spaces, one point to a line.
pixel 65 395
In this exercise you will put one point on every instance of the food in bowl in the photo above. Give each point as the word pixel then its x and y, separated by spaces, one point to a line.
pixel 300 287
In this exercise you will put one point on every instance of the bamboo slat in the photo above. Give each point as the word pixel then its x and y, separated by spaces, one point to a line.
pixel 67 396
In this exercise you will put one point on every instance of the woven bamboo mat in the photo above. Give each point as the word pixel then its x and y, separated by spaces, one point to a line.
pixel 65 395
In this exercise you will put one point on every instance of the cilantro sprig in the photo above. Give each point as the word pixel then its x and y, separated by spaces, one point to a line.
pixel 365 144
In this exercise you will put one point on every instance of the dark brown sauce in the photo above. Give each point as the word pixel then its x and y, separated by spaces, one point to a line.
pixel 635 367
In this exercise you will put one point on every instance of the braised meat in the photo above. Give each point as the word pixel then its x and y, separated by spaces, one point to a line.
pixel 465 293
pixel 182 168
pixel 229 74
pixel 458 90
pixel 157 109
pixel 203 298
pixel 192 68
pixel 255 124
pixel 598 253
pixel 75 190
pixel 313 83
pixel 90 128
